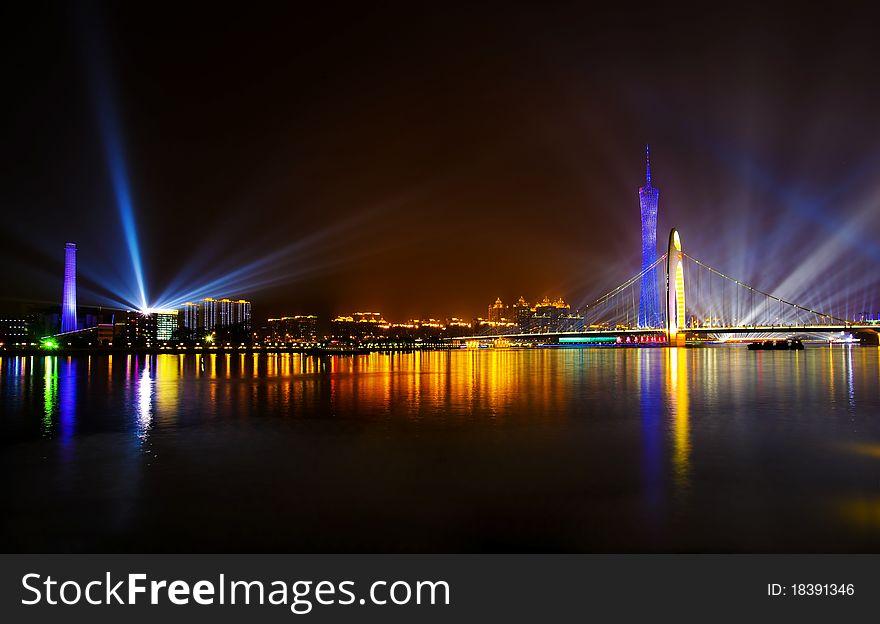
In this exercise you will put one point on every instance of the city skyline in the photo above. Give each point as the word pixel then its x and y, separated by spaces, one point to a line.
pixel 397 278
pixel 504 166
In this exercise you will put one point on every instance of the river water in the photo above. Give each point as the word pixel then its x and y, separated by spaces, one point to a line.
pixel 713 449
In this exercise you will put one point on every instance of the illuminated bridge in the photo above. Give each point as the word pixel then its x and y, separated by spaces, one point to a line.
pixel 701 303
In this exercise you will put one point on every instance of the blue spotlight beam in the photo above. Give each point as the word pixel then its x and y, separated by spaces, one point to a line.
pixel 126 213
pixel 110 136
pixel 312 254
pixel 95 55
pixel 284 265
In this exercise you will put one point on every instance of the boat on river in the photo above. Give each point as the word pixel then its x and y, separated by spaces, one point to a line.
pixel 790 344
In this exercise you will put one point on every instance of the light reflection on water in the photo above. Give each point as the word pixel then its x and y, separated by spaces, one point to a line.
pixel 677 391
pixel 615 449
pixel 144 402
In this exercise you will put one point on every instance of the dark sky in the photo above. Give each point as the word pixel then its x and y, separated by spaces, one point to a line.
pixel 422 160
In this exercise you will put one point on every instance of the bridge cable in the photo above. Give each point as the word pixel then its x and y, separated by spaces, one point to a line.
pixel 766 294
pixel 625 285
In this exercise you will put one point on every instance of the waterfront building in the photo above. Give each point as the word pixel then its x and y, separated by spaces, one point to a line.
pixel 13 330
pixel 278 329
pixel 522 314
pixel 190 317
pixel 497 312
pixel 224 313
pixel 210 314
pixel 140 328
pixel 105 333
pixel 42 321
pixel 240 314
pixel 457 327
pixel 359 326
pixel 299 328
pixel 429 330
pixel 547 315
pixel 166 325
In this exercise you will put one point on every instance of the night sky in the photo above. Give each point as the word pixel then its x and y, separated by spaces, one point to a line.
pixel 422 160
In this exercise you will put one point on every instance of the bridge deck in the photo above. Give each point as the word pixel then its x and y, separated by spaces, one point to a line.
pixel 738 329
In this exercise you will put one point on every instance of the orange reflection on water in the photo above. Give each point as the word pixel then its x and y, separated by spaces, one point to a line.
pixel 453 384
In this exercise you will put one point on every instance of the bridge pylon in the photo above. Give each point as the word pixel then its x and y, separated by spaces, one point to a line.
pixel 675 312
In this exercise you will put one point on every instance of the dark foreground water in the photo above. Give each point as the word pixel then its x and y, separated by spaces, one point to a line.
pixel 705 449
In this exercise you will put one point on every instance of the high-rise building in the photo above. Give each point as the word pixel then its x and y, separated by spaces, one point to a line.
pixel 240 314
pixel 13 330
pixel 279 329
pixel 166 325
pixel 305 327
pixel 551 316
pixel 359 326
pixel 522 313
pixel 189 317
pixel 299 328
pixel 140 328
pixel 210 313
pixel 497 312
pixel 222 313
pixel 649 301
pixel 68 302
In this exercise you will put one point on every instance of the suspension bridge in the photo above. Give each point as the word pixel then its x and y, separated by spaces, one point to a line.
pixel 701 303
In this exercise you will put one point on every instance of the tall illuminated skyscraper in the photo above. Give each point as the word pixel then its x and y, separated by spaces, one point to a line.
pixel 219 313
pixel 240 314
pixel 649 301
pixel 191 314
pixel 68 303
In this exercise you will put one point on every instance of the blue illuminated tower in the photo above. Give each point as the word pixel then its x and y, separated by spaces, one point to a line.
pixel 649 301
pixel 68 304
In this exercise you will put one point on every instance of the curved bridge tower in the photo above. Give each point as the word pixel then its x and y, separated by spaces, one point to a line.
pixel 675 320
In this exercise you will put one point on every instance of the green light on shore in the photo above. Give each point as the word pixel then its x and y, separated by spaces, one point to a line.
pixel 48 343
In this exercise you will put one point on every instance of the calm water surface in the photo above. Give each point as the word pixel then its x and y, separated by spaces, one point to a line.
pixel 704 449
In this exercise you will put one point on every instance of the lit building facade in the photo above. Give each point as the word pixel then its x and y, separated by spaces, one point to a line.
pixel 210 313
pixel 105 333
pixel 68 302
pixel 497 312
pixel 13 330
pixel 166 325
pixel 140 328
pixel 522 313
pixel 240 314
pixel 300 328
pixel 458 327
pixel 190 316
pixel 554 316
pixel 649 301
pixel 359 326
pixel 223 313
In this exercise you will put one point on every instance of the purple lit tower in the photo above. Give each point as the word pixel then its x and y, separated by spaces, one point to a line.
pixel 68 305
pixel 649 301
